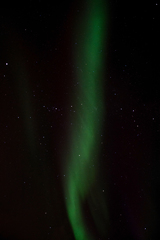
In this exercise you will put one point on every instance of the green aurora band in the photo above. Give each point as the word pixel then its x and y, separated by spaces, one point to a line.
pixel 81 165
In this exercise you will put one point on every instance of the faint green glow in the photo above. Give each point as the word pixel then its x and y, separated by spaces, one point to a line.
pixel 82 162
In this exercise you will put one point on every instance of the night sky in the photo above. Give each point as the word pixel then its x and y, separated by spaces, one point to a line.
pixel 79 121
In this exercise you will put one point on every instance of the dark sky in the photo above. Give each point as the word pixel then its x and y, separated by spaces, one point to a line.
pixel 36 81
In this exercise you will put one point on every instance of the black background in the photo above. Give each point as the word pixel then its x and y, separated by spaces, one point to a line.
pixel 35 115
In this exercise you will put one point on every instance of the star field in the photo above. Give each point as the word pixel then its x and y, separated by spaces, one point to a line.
pixel 79 122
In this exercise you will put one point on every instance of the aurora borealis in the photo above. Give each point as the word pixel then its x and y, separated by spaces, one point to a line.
pixel 81 163
pixel 79 121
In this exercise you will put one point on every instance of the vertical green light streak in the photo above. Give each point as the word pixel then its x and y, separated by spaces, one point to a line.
pixel 81 164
